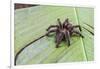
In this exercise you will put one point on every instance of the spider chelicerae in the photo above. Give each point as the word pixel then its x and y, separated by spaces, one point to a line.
pixel 64 31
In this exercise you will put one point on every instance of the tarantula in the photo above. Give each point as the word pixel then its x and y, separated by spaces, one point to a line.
pixel 63 31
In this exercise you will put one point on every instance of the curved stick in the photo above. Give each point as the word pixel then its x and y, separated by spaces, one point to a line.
pixel 25 47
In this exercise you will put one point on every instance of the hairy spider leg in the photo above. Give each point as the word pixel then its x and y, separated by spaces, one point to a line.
pixel 67 37
pixel 52 26
pixel 65 23
pixel 57 32
pixel 77 32
pixel 78 26
pixel 67 20
pixel 59 38
pixel 51 31
pixel 60 25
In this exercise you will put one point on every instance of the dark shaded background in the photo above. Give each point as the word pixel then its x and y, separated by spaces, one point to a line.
pixel 19 5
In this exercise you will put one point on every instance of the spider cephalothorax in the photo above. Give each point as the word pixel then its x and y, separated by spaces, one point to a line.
pixel 63 31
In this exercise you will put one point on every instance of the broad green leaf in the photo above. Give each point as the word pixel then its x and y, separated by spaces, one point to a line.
pixel 85 20
pixel 31 23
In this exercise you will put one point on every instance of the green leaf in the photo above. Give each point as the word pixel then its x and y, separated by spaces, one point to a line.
pixel 86 19
pixel 31 23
